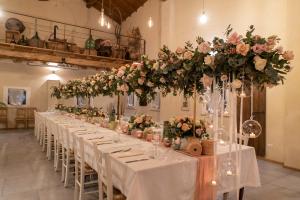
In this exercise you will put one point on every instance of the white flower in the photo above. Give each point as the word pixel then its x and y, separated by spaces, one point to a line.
pixel 93 82
pixel 260 63
pixel 162 80
pixel 150 84
pixel 156 65
pixel 141 81
pixel 236 83
pixel 138 91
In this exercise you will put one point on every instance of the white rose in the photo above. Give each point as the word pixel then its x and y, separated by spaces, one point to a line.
pixel 141 81
pixel 150 84
pixel 162 80
pixel 260 63
pixel 236 83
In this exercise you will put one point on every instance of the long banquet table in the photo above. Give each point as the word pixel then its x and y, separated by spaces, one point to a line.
pixel 172 175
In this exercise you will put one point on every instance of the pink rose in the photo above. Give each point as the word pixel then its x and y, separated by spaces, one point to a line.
pixel 259 48
pixel 242 48
pixel 234 38
pixel 288 55
pixel 188 55
pixel 279 49
pixel 209 60
pixel 185 127
pixel 204 47
pixel 206 80
pixel 138 120
pixel 224 77
pixel 120 73
pixel 179 50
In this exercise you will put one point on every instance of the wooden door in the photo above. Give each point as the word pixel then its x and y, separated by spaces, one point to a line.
pixel 259 111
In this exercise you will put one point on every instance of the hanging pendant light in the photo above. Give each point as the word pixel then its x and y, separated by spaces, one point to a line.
pixel 203 18
pixel 108 25
pixel 150 22
pixel 102 20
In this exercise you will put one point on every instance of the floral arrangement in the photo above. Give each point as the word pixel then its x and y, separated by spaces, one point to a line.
pixel 183 127
pixel 140 122
pixel 89 112
pixel 119 80
pixel 241 60
pixel 251 58
pixel 183 70
pixel 143 80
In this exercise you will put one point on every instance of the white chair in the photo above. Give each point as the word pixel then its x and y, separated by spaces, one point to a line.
pixel 68 159
pixel 105 177
pixel 57 147
pixel 86 179
pixel 49 139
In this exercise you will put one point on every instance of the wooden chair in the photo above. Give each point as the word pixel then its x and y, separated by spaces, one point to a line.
pixel 30 116
pixel 21 117
pixel 105 183
pixel 244 141
pixel 3 116
pixel 86 179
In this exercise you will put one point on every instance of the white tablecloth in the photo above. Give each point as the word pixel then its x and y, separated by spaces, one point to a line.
pixel 170 176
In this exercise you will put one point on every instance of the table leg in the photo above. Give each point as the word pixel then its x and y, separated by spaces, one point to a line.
pixel 241 195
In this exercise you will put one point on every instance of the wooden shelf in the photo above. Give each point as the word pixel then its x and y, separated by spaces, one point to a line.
pixel 27 53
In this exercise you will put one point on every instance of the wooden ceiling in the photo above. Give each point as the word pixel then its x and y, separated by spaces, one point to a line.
pixel 126 7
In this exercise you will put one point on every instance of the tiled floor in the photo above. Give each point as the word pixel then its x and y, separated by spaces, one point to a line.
pixel 26 174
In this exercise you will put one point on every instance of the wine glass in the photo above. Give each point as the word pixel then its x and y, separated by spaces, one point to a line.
pixel 156 140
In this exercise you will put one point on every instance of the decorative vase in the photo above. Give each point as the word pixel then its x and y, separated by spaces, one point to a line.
pixel 112 125
pixel 167 142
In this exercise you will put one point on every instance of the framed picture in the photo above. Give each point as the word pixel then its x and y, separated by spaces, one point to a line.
pixel 16 96
pixel 185 104
pixel 155 104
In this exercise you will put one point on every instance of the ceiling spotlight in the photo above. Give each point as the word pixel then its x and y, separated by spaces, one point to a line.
pixel 150 22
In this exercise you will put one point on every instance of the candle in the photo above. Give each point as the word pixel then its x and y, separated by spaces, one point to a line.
pixel 222 142
pixel 229 172
pixel 214 182
pixel 252 135
pixel 226 113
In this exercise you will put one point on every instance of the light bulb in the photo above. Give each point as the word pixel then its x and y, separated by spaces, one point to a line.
pixel 108 25
pixel 150 22
pixel 203 18
pixel 101 20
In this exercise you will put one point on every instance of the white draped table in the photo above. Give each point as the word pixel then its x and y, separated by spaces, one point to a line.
pixel 171 176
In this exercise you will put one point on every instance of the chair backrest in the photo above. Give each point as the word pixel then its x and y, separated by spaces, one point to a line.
pixel 30 113
pixel 104 172
pixel 244 139
pixel 21 113
pixel 3 113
